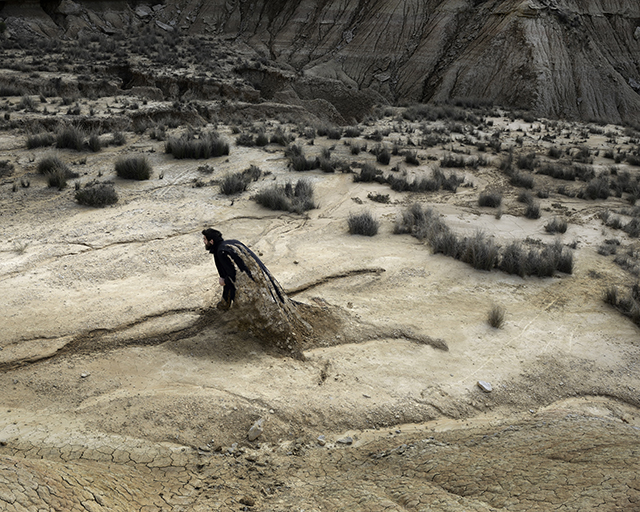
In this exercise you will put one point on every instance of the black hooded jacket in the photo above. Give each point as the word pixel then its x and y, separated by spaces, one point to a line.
pixel 224 257
pixel 225 254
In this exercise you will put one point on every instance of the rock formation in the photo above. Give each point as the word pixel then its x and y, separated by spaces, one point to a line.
pixel 555 57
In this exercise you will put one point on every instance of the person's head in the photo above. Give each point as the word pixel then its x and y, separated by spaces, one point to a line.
pixel 211 236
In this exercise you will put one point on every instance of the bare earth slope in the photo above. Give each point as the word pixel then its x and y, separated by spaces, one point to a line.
pixel 557 58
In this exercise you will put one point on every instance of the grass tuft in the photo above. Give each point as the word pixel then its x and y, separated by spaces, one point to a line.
pixel 556 225
pixel 239 182
pixel 206 145
pixel 6 168
pixel 40 140
pixel 363 224
pixel 56 172
pixel 296 198
pixel 628 305
pixel 496 315
pixel 98 195
pixel 133 168
pixel 368 174
pixel 70 137
pixel 490 199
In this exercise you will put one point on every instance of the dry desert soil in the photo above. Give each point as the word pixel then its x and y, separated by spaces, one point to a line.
pixel 124 389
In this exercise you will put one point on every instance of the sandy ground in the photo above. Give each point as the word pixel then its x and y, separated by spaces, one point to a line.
pixel 116 395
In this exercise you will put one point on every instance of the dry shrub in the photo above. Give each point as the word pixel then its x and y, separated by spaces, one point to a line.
pixel 133 168
pixel 496 315
pixel 296 198
pixel 363 224
pixel 98 195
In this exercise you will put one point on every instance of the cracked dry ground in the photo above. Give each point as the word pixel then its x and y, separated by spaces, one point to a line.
pixel 555 460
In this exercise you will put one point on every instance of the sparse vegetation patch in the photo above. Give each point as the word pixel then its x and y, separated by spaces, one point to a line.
pixel 205 145
pixel 296 198
pixel 40 140
pixel 97 194
pixel 239 182
pixel 480 251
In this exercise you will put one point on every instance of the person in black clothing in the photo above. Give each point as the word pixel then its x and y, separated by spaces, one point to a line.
pixel 229 254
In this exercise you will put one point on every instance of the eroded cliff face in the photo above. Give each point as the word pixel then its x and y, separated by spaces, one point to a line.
pixel 558 58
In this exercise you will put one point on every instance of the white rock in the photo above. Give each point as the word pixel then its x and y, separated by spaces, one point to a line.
pixel 485 386
pixel 255 430
pixel 164 26
pixel 142 11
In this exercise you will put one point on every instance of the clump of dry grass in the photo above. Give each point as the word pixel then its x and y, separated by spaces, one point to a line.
pixel 205 145
pixel 628 305
pixel 296 198
pixel 133 168
pixel 363 224
pixel 496 315
pixel 97 194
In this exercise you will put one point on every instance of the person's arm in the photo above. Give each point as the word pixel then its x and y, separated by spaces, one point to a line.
pixel 226 270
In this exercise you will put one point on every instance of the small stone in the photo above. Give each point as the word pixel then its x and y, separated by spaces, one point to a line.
pixel 345 440
pixel 205 448
pixel 365 395
pixel 255 430
pixel 485 386
pixel 247 501
pixel 164 26
pixel 398 431
pixel 84 375
pixel 143 11
pixel 322 440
